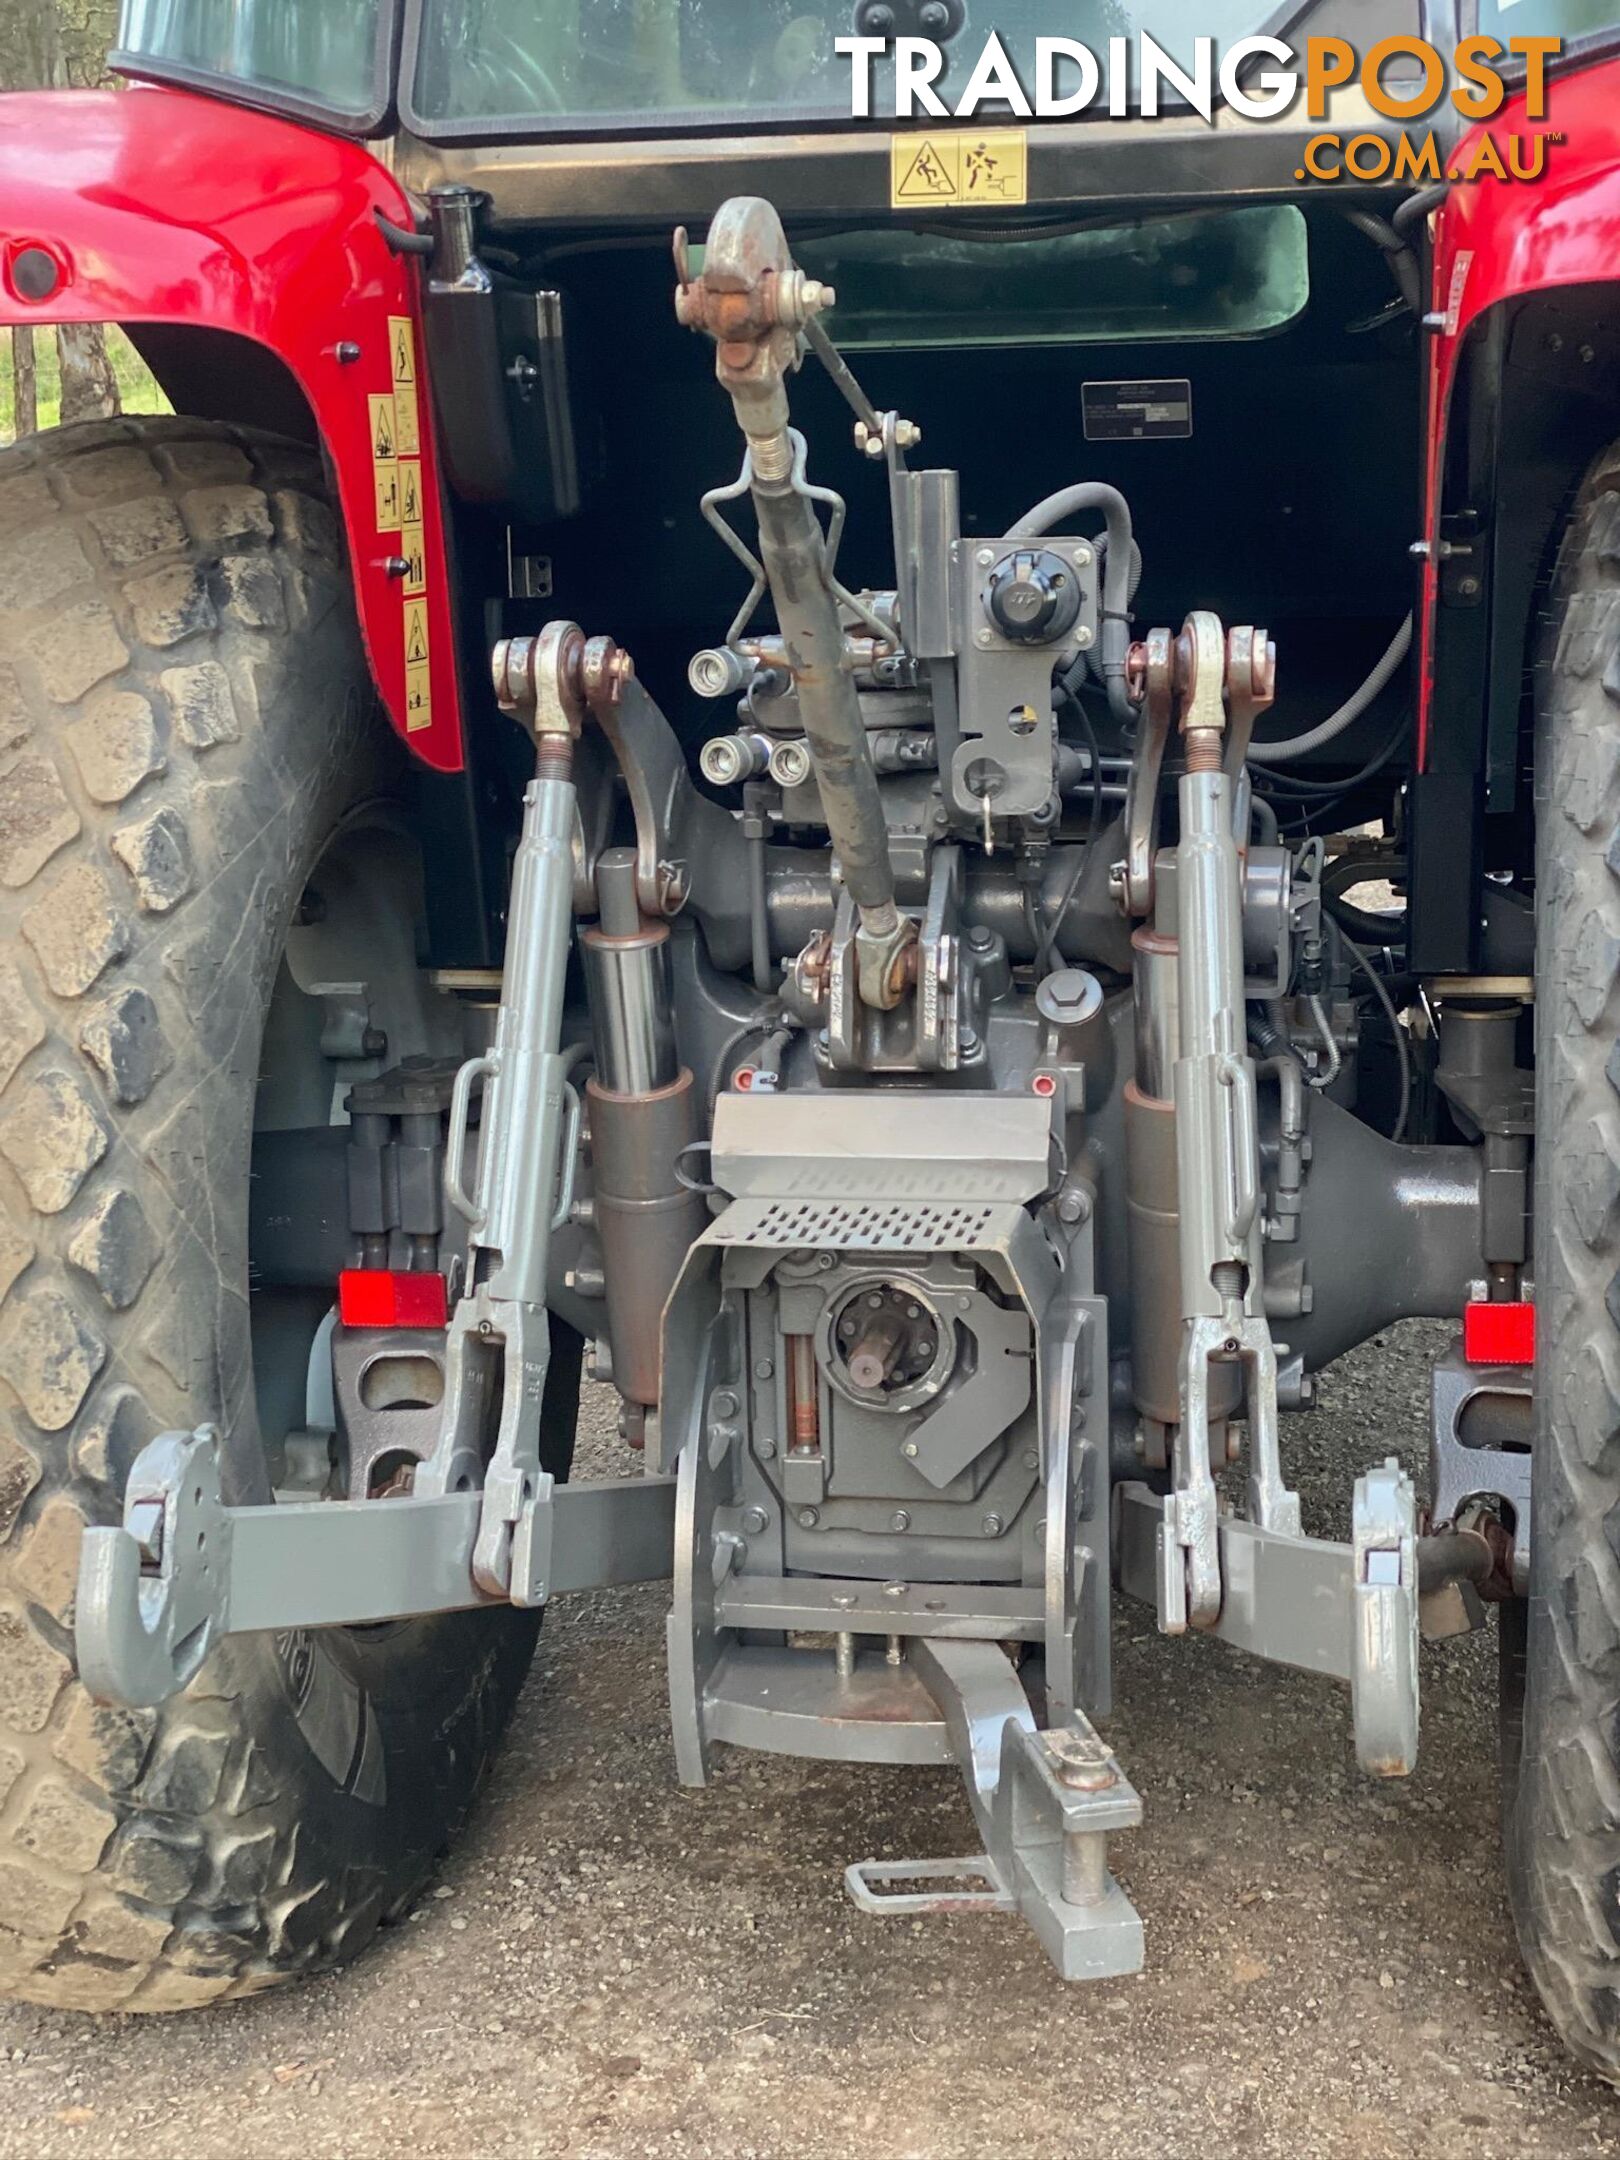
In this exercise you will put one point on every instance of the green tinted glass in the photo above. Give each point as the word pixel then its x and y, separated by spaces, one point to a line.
pixel 1567 19
pixel 319 54
pixel 691 62
pixel 1237 273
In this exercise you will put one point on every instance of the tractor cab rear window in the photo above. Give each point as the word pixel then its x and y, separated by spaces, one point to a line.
pixel 1227 274
pixel 597 64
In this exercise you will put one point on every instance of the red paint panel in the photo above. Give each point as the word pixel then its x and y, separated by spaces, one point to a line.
pixel 388 1297
pixel 1499 1334
pixel 164 207
pixel 1497 240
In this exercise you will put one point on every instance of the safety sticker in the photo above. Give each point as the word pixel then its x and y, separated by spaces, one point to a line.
pixel 402 352
pixel 1459 285
pixel 418 698
pixel 410 493
pixel 416 633
pixel 385 474
pixel 954 168
pixel 410 548
pixel 384 425
pixel 406 432
pixel 418 678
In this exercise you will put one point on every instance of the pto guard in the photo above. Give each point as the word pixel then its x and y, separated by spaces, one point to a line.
pixel 104 220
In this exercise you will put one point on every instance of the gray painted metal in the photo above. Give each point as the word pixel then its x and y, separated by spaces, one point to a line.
pixel 1418 1209
pixel 1286 1599
pixel 842 1145
pixel 1476 1413
pixel 1045 1835
pixel 809 1604
pixel 796 1702
pixel 527 1148
pixel 157 1594
pixel 1003 762
pixel 1345 1612
pixel 1384 1635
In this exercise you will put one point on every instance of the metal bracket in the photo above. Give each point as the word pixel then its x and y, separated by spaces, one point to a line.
pixel 1299 1601
pixel 156 1595
pixel 1152 682
pixel 1461 1469
pixel 1045 1804
pixel 1384 1640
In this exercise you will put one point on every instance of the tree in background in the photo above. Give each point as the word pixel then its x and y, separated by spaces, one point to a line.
pixel 56 45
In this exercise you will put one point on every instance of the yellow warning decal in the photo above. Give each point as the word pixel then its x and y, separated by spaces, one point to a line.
pixel 410 493
pixel 418 677
pixel 992 167
pixel 401 349
pixel 384 426
pixel 408 436
pixel 410 548
pixel 416 633
pixel 385 476
pixel 418 698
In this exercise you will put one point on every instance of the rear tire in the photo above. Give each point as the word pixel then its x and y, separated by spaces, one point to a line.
pixel 1561 1654
pixel 185 717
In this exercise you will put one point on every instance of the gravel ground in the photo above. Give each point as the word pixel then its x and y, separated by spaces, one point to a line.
pixel 610 1966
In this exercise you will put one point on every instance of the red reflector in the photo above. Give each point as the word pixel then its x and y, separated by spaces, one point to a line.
pixel 385 1297
pixel 1499 1334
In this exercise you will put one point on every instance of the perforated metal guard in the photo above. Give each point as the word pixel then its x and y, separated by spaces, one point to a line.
pixel 865 1226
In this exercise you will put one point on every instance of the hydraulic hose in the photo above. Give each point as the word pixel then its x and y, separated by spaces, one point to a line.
pixel 1118 582
pixel 1411 213
pixel 1403 264
pixel 1317 738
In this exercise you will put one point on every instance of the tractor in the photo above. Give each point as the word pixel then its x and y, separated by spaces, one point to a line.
pixel 934 793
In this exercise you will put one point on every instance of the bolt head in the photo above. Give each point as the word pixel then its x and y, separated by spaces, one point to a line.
pixel 900 1520
pixel 1081 1762
pixel 908 1449
pixel 755 1520
pixel 808 1517
pixel 991 1526
pixel 984 557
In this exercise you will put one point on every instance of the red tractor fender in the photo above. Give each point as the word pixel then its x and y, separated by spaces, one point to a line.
pixel 1498 240
pixel 157 206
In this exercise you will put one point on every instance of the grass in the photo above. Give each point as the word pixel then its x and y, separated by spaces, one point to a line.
pixel 138 391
